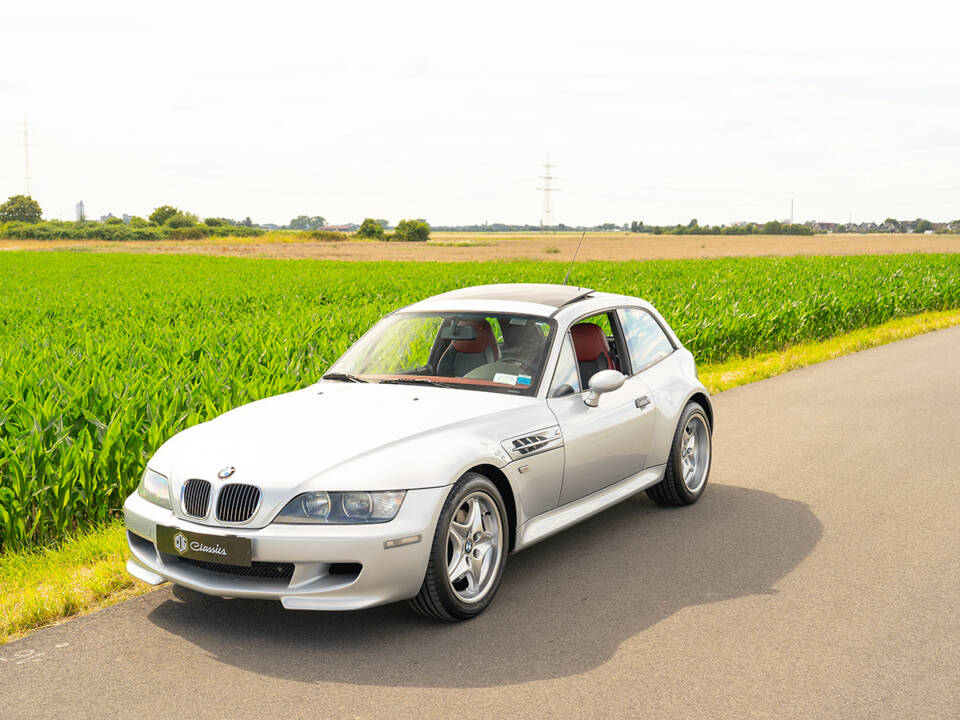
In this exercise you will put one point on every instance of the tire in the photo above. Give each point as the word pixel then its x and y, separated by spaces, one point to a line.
pixel 677 487
pixel 444 595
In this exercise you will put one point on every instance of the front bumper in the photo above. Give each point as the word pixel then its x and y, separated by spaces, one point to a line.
pixel 385 575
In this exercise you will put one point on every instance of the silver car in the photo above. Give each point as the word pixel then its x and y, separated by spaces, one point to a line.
pixel 456 431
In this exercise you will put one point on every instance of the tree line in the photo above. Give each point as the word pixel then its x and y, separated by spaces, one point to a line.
pixel 21 217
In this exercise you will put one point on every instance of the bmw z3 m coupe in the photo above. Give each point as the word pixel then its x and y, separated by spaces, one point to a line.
pixel 458 430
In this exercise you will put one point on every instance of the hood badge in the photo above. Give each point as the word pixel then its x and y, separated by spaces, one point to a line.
pixel 226 472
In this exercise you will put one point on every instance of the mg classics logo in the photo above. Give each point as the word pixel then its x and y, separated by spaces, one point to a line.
pixel 181 543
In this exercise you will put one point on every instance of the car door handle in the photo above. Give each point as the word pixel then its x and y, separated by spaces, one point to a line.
pixel 642 402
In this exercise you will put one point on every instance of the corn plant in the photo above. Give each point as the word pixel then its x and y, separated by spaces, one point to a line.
pixel 104 357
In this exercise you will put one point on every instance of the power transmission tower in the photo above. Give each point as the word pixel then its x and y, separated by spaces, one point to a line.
pixel 547 188
pixel 26 158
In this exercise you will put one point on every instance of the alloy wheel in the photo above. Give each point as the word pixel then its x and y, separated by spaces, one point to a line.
pixel 474 546
pixel 695 453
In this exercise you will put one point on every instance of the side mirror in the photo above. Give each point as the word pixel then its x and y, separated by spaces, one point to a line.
pixel 603 382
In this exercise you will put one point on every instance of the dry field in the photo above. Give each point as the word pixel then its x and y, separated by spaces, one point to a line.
pixel 534 246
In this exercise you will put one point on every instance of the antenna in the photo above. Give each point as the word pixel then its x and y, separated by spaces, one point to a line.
pixel 26 158
pixel 547 188
pixel 575 252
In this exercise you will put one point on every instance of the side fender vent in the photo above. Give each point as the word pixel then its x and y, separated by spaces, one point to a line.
pixel 536 442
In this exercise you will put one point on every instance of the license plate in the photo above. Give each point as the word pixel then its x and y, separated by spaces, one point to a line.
pixel 226 549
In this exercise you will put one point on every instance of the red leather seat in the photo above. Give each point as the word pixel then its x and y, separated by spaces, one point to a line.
pixel 462 356
pixel 593 350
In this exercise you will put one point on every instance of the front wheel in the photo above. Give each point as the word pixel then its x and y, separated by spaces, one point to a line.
pixel 468 554
pixel 688 466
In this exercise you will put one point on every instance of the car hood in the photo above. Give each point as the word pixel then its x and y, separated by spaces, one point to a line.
pixel 281 442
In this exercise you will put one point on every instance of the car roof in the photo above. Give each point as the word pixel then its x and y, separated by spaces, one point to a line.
pixel 555 296
pixel 563 302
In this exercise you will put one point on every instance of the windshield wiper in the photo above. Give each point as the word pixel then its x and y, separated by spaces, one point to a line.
pixel 415 381
pixel 343 377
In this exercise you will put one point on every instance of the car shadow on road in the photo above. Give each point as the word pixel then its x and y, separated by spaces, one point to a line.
pixel 564 607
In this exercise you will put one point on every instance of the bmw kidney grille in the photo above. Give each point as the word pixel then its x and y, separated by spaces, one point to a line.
pixel 237 502
pixel 196 498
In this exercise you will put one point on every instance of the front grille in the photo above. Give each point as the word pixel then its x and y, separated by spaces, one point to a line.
pixel 237 502
pixel 196 497
pixel 274 571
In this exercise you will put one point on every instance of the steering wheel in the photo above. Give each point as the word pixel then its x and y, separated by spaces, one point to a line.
pixel 525 365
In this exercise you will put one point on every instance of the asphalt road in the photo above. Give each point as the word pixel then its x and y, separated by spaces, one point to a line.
pixel 818 577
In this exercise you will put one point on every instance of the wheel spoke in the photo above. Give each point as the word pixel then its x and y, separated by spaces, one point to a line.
pixel 475 519
pixel 460 568
pixel 476 566
pixel 460 529
pixel 456 540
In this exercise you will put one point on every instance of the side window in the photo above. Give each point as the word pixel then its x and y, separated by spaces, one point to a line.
pixel 603 321
pixel 646 341
pixel 566 379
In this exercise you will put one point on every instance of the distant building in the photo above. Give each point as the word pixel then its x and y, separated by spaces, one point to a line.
pixel 104 218
pixel 81 212
pixel 127 219
pixel 349 227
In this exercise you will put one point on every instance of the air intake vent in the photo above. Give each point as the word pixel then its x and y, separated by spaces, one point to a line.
pixel 274 571
pixel 528 444
pixel 196 498
pixel 535 442
pixel 237 502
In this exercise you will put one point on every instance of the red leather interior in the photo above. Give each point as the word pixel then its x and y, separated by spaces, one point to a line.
pixel 590 343
pixel 485 339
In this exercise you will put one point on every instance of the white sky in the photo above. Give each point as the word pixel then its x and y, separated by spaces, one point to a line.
pixel 652 111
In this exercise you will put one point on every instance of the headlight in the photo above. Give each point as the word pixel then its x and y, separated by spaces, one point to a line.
pixel 155 488
pixel 342 508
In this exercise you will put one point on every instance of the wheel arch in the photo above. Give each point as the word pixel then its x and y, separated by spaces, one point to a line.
pixel 704 401
pixel 496 476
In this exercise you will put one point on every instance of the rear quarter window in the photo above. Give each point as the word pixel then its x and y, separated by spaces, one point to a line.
pixel 646 341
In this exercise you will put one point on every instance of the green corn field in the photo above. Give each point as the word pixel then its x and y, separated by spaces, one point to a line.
pixel 103 357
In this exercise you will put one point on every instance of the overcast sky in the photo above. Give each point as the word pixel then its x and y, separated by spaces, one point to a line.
pixel 658 112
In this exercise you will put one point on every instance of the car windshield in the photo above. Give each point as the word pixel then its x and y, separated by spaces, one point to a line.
pixel 475 351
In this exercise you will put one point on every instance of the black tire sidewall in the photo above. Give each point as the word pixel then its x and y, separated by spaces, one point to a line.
pixel 470 482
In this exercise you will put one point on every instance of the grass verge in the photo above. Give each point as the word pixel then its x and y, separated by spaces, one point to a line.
pixel 740 371
pixel 86 572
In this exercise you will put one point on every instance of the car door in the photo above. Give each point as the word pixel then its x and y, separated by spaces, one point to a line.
pixel 603 444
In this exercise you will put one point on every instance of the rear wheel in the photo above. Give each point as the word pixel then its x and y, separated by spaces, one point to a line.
pixel 468 554
pixel 688 466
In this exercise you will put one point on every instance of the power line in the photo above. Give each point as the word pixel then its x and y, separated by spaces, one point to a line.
pixel 547 188
pixel 26 157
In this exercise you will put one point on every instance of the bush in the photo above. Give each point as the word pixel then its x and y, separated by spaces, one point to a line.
pixel 370 228
pixel 163 213
pixel 113 221
pixel 181 220
pixel 323 235
pixel 213 222
pixel 410 231
pixel 138 222
pixel 190 232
